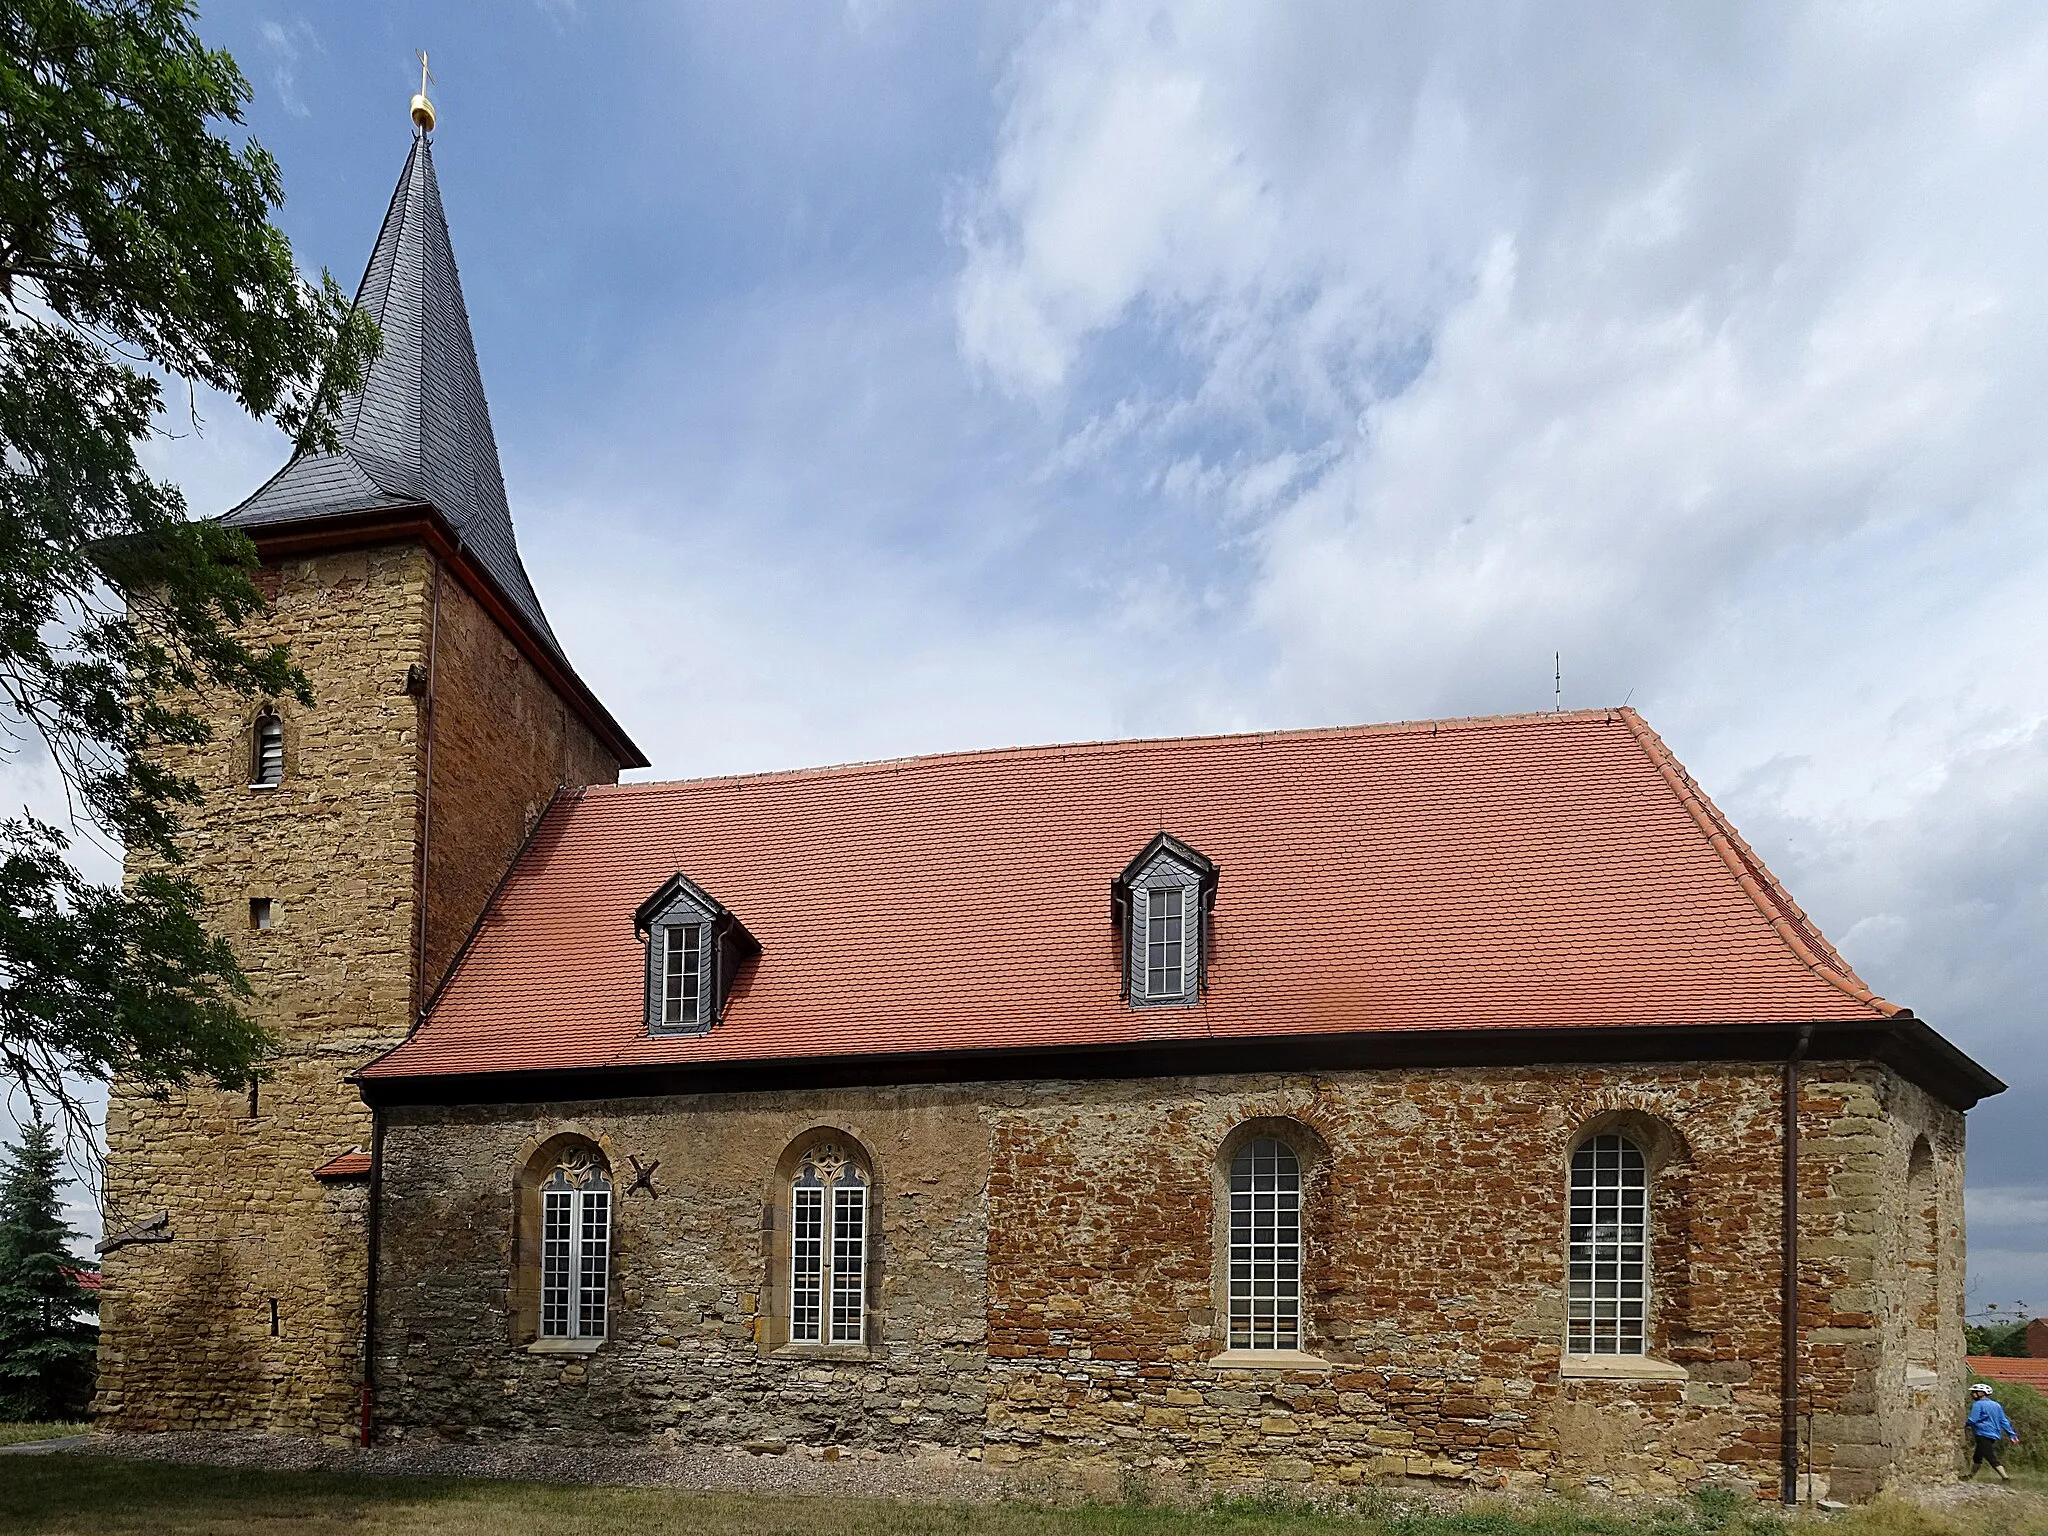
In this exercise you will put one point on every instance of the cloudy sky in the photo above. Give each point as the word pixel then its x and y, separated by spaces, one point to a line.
pixel 887 378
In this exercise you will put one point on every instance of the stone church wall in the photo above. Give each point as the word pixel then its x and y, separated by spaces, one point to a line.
pixel 690 1267
pixel 503 743
pixel 1048 1290
pixel 186 1325
pixel 189 1335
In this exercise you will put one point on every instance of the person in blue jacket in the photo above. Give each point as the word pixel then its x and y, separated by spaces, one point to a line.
pixel 1988 1427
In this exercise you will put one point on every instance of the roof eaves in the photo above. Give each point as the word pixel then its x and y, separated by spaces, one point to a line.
pixel 1792 926
pixel 1901 1042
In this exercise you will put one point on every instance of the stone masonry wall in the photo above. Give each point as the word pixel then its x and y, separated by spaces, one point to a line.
pixel 503 743
pixel 1049 1289
pixel 187 1326
pixel 186 1340
pixel 1913 1150
pixel 691 1268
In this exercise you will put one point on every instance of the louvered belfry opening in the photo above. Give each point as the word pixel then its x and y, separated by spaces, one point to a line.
pixel 266 751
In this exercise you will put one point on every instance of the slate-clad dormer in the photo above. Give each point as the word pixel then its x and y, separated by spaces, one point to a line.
pixel 694 949
pixel 1162 902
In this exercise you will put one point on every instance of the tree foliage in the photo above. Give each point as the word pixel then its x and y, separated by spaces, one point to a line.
pixel 136 249
pixel 46 1343
pixel 1995 1338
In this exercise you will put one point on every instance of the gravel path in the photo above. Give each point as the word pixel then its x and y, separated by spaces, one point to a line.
pixel 933 1474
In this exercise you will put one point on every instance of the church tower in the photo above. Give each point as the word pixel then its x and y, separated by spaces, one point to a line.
pixel 347 847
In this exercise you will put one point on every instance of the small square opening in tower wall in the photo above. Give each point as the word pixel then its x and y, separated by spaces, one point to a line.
pixel 259 911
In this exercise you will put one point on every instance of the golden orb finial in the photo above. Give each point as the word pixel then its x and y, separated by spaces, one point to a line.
pixel 423 109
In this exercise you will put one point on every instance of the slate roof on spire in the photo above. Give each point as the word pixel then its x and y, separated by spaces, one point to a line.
pixel 419 432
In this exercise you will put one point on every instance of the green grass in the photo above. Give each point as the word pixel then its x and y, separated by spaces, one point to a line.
pixel 15 1434
pixel 71 1495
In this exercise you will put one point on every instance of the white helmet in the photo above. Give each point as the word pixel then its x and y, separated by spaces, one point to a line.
pixel 1982 1389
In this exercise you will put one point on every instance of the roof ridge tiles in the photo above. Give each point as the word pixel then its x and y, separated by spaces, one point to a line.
pixel 1791 924
pixel 1106 746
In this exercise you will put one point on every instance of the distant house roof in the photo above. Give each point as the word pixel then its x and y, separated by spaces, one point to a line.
pixel 417 436
pixel 2028 1371
pixel 1549 871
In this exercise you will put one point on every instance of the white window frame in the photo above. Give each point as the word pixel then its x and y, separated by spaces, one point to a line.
pixel 575 1250
pixel 682 990
pixel 1607 1289
pixel 1156 939
pixel 1263 1282
pixel 828 1249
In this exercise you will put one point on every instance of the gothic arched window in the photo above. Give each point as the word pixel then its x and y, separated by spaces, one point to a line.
pixel 266 751
pixel 575 1248
pixel 828 1248
pixel 1609 1296
pixel 1264 1281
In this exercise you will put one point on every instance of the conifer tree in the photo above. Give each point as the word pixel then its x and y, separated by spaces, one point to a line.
pixel 46 1347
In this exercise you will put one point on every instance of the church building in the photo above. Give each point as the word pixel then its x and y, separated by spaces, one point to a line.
pixel 1460 1100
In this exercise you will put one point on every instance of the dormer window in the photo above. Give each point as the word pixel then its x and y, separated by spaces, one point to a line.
pixel 1162 902
pixel 695 948
pixel 266 751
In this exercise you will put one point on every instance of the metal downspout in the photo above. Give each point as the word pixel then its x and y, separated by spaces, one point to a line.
pixel 1788 1279
pixel 370 1280
pixel 419 990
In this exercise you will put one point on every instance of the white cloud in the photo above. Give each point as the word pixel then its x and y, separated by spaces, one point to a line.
pixel 1707 347
pixel 2001 1205
pixel 287 47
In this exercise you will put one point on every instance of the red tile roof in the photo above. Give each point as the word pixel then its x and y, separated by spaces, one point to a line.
pixel 1537 870
pixel 2033 1373
pixel 353 1164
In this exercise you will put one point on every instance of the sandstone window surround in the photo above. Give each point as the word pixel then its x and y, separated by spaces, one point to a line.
pixel 564 1280
pixel 1269 1176
pixel 1627 1225
pixel 820 1232
pixel 1921 1234
pixel 1163 903
pixel 695 948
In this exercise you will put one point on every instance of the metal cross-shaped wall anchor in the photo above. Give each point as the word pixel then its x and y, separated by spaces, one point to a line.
pixel 643 1178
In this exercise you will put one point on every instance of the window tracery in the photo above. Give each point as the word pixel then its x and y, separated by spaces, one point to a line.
pixel 828 1248
pixel 575 1248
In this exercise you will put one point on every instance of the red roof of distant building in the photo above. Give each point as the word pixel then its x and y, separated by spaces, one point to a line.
pixel 1539 870
pixel 88 1279
pixel 2033 1373
pixel 353 1164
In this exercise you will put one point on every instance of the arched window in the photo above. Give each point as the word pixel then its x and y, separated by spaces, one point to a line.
pixel 828 1249
pixel 575 1247
pixel 266 751
pixel 1264 1283
pixel 1609 1296
pixel 1921 1232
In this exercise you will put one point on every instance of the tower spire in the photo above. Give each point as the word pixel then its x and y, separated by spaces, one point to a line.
pixel 416 438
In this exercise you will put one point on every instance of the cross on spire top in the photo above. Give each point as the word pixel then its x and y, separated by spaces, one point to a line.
pixel 423 109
